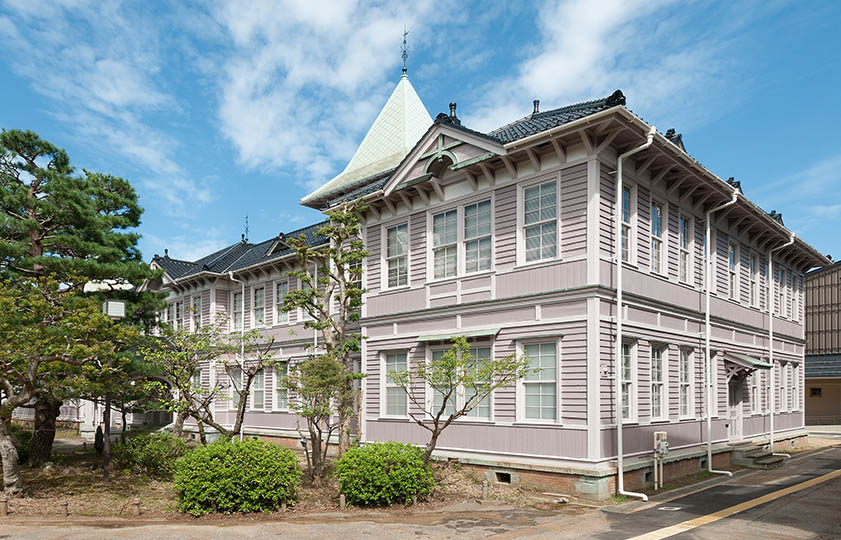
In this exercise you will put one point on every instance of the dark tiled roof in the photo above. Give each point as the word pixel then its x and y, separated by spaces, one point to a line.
pixel 541 121
pixel 366 186
pixel 823 268
pixel 239 255
pixel 823 365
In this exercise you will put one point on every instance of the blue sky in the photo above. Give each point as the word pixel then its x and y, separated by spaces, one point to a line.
pixel 215 111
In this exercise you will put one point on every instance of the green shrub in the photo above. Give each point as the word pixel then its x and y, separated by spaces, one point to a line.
pixel 384 473
pixel 153 455
pixel 236 476
pixel 24 437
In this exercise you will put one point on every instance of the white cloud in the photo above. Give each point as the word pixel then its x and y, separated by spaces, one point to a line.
pixel 99 63
pixel 186 246
pixel 304 79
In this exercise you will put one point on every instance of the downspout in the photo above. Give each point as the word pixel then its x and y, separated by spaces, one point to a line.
pixel 620 479
pixel 241 343
pixel 707 330
pixel 770 303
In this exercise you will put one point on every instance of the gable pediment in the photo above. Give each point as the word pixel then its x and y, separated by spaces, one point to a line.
pixel 442 151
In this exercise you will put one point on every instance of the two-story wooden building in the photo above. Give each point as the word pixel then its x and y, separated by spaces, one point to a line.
pixel 510 239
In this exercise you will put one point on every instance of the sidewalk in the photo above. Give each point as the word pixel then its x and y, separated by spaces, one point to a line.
pixel 830 430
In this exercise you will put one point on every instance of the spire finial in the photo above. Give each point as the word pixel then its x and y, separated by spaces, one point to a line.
pixel 245 236
pixel 405 49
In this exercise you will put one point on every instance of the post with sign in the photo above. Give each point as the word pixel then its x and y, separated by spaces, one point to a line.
pixel 116 309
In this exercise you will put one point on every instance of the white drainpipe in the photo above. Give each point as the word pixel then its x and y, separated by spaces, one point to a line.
pixel 770 304
pixel 707 330
pixel 241 344
pixel 618 353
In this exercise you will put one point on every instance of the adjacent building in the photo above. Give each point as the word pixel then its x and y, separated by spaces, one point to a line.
pixel 823 345
pixel 511 239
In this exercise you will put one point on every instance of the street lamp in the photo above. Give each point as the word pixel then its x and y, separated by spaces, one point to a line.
pixel 116 310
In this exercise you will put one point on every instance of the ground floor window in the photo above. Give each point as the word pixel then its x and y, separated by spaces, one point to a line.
pixel 481 355
pixel 540 385
pixel 658 386
pixel 281 371
pixel 396 400
pixel 685 378
pixel 627 375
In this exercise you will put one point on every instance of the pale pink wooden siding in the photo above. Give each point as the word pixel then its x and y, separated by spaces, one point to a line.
pixel 670 231
pixel 643 227
pixel 505 225
pixel 372 272
pixel 417 248
pixel 574 211
pixel 607 198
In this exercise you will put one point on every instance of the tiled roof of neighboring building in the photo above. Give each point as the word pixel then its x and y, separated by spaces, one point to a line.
pixel 541 121
pixel 823 365
pixel 239 255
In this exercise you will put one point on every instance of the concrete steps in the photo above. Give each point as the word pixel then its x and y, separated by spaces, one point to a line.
pixel 754 456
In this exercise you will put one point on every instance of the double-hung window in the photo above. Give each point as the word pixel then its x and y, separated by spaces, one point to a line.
pixel 781 292
pixel 236 386
pixel 477 237
pixel 540 217
pixel 685 378
pixel 685 243
pixel 313 272
pixel 627 230
pixel 627 374
pixel 281 289
pixel 179 315
pixel 237 311
pixel 754 392
pixel 481 357
pixel 657 263
pixel 541 387
pixel 397 255
pixel 795 293
pixel 795 387
pixel 196 314
pixel 754 280
pixel 658 387
pixel 258 391
pixel 445 244
pixel 195 380
pixel 259 306
pixel 438 395
pixel 781 385
pixel 281 394
pixel 396 400
pixel 733 271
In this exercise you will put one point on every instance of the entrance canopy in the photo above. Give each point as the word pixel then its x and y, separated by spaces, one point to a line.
pixel 740 366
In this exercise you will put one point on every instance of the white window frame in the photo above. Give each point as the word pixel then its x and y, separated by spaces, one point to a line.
pixel 234 396
pixel 385 383
pixel 633 386
pixel 195 379
pixel 431 392
pixel 629 227
pixel 454 244
pixel 280 317
pixel 386 258
pixel 179 314
pixel 658 242
pixel 753 270
pixel 780 297
pixel 237 317
pixel 255 322
pixel 733 269
pixel 782 401
pixel 795 387
pixel 755 397
pixel 663 382
pixel 523 383
pixel 196 318
pixel 686 383
pixel 478 238
pixel 685 260
pixel 256 405
pixel 521 224
pixel 794 315
pixel 303 316
pixel 280 371
pixel 460 393
pixel 475 417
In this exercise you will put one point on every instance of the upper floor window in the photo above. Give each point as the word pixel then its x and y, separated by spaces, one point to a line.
pixel 179 315
pixel 281 289
pixel 237 311
pixel 754 280
pixel 781 295
pixel 313 272
pixel 658 386
pixel 795 295
pixel 627 231
pixel 196 315
pixel 540 217
pixel 685 243
pixel 259 306
pixel 733 271
pixel 397 255
pixel 541 387
pixel 477 237
pixel 445 244
pixel 657 237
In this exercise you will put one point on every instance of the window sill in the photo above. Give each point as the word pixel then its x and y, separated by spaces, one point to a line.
pixel 659 421
pixel 691 418
pixel 538 423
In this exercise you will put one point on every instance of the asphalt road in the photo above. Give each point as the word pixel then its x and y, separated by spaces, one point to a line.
pixel 800 500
